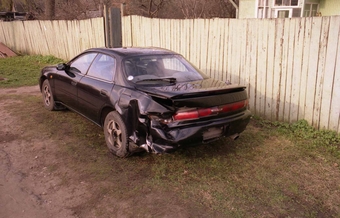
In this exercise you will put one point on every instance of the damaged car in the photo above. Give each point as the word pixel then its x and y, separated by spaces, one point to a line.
pixel 148 99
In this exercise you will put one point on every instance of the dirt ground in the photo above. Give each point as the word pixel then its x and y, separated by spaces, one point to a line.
pixel 34 183
pixel 27 188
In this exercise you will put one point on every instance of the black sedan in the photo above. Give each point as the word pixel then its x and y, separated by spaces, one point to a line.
pixel 145 99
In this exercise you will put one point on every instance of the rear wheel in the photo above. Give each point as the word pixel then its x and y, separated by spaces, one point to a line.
pixel 116 134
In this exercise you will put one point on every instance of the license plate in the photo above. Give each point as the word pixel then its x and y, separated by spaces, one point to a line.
pixel 213 132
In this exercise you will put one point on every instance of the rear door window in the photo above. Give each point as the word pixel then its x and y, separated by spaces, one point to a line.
pixel 103 67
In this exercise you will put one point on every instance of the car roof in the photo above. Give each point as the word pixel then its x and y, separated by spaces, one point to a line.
pixel 133 51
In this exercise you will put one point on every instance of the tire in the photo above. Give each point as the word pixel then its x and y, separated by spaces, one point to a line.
pixel 116 135
pixel 48 96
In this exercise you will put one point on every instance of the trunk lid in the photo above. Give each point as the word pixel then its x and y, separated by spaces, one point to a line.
pixel 204 93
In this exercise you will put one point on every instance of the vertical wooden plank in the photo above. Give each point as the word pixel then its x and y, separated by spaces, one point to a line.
pixel 215 48
pixel 334 117
pixel 68 44
pixel 147 32
pixel 138 36
pixel 184 41
pixel 262 67
pixel 186 28
pixel 269 102
pixel 178 36
pixel 230 50
pixel 296 72
pixel 210 48
pixel 204 45
pixel 221 49
pixel 235 68
pixel 278 55
pixel 312 68
pixel 304 87
pixel 124 31
pixel 175 33
pixel 248 43
pixel 196 37
pixel 134 34
pixel 225 26
pixel 320 73
pixel 167 31
pixel 161 36
pixel 253 65
pixel 286 34
pixel 330 66
pixel 2 34
pixel 8 35
pixel 100 33
pixel 243 53
pixel 289 69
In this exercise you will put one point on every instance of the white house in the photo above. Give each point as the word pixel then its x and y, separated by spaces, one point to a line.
pixel 288 8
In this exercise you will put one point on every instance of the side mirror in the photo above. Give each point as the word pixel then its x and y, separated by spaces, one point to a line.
pixel 61 66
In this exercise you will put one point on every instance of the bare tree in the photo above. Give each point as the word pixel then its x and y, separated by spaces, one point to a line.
pixel 231 7
pixel 149 8
pixel 6 5
pixel 50 9
pixel 192 8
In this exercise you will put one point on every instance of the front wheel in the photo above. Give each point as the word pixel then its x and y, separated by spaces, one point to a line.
pixel 116 134
pixel 48 96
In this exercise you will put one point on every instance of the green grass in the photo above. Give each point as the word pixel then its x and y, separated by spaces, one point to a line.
pixel 273 170
pixel 23 70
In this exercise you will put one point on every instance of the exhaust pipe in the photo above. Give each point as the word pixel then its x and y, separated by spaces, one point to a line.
pixel 235 136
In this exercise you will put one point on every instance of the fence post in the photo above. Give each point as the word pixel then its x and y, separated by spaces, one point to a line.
pixel 113 27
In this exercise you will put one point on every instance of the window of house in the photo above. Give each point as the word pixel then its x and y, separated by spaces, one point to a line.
pixel 263 9
pixel 286 12
pixel 283 13
pixel 286 2
pixel 310 9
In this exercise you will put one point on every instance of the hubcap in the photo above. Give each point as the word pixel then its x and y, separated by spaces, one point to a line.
pixel 115 134
pixel 47 96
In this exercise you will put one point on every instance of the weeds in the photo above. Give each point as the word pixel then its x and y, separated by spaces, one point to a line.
pixel 305 135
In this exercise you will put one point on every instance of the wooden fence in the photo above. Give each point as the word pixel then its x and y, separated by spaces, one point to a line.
pixel 291 67
pixel 63 39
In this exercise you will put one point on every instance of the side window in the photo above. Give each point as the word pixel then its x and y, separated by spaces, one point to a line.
pixel 83 62
pixel 103 67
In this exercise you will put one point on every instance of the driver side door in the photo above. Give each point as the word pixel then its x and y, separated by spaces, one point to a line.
pixel 66 82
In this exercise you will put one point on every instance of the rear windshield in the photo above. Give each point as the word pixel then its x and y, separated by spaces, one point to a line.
pixel 150 68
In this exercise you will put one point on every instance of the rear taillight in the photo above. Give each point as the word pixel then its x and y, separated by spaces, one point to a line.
pixel 204 112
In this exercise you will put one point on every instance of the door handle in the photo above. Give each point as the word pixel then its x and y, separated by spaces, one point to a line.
pixel 103 92
pixel 74 83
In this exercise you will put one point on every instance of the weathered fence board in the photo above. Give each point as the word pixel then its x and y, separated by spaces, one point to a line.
pixel 63 39
pixel 291 67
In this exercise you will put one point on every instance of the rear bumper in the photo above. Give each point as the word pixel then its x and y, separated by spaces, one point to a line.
pixel 169 138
